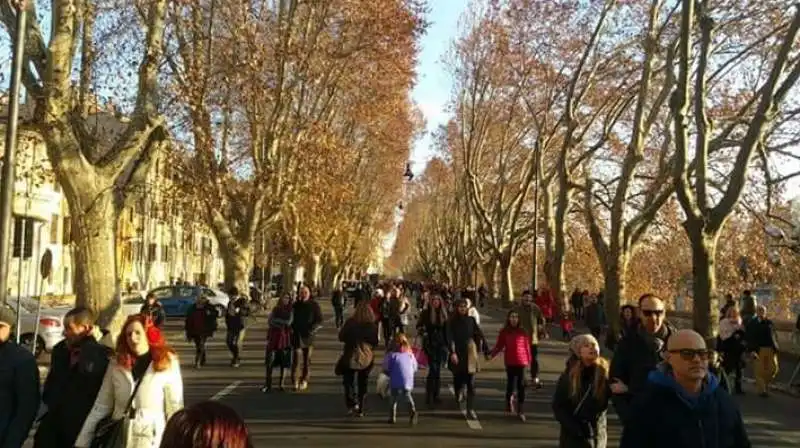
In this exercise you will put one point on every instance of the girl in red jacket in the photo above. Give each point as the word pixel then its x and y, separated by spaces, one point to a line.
pixel 515 342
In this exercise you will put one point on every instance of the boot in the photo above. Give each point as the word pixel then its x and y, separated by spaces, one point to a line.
pixel 429 383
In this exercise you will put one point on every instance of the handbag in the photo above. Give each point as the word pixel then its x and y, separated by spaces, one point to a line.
pixel 112 433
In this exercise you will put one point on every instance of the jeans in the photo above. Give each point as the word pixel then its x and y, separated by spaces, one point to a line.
pixel 355 387
pixel 234 339
pixel 199 350
pixel 339 313
pixel 306 354
pixel 405 394
pixel 515 379
pixel 534 362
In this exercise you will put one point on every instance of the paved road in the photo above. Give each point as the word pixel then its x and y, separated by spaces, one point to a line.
pixel 317 417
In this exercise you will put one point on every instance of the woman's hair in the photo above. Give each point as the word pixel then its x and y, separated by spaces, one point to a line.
pixel 575 369
pixel 363 313
pixel 160 352
pixel 401 341
pixel 437 316
pixel 508 320
pixel 208 424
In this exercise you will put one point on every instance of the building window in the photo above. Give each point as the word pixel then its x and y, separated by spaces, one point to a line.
pixel 66 230
pixel 151 252
pixel 165 254
pixel 23 237
pixel 54 229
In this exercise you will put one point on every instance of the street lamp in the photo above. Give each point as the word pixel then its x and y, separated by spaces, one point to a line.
pixel 7 186
pixel 535 273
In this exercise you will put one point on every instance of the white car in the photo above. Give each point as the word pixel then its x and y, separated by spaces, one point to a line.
pixel 51 325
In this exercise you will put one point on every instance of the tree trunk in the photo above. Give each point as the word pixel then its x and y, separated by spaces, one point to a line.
pixel 287 275
pixel 94 231
pixel 706 303
pixel 314 275
pixel 237 262
pixel 614 279
pixel 489 269
pixel 506 286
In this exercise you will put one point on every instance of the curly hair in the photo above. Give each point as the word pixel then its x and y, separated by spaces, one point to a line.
pixel 161 353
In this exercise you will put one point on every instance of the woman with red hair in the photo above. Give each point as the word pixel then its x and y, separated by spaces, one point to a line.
pixel 142 358
pixel 208 424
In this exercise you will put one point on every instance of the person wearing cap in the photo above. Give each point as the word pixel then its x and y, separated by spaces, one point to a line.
pixel 19 385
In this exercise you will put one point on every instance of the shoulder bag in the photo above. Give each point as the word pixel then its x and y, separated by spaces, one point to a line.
pixel 111 433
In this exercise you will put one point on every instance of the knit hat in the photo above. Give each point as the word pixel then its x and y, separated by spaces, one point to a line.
pixel 583 340
pixel 8 316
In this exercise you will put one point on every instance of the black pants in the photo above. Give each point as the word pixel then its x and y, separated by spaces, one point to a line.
pixel 234 338
pixel 534 362
pixel 388 331
pixel 735 371
pixel 515 382
pixel 200 350
pixel 306 354
pixel 355 387
pixel 339 312
pixel 462 381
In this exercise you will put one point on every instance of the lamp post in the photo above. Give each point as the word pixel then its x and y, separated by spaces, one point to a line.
pixel 535 273
pixel 7 186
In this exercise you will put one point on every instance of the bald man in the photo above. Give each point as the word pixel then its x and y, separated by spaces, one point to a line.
pixel 683 405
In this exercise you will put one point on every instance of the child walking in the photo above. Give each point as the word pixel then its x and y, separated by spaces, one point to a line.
pixel 567 325
pixel 400 366
pixel 515 342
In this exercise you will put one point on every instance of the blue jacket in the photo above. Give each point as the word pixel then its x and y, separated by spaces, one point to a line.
pixel 664 416
pixel 19 394
pixel 400 367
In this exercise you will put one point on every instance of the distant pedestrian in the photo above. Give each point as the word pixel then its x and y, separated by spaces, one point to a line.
pixel 360 337
pixel 306 321
pixel 733 345
pixel 762 342
pixel 534 323
pixel 153 310
pixel 236 324
pixel 748 307
pixel 515 343
pixel 432 329
pixel 567 322
pixel 19 385
pixel 200 325
pixel 208 424
pixel 400 366
pixel 338 302
pixel 682 405
pixel 279 342
pixel 595 317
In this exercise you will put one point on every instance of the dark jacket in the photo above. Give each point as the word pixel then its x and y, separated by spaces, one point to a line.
pixel 760 333
pixel 465 339
pixel 155 313
pixel 583 420
pixel 19 394
pixel 337 299
pixel 307 320
pixel 360 339
pixel 237 314
pixel 664 416
pixel 595 316
pixel 70 390
pixel 200 323
pixel 636 355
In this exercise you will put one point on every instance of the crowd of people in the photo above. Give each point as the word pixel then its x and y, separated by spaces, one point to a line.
pixel 667 387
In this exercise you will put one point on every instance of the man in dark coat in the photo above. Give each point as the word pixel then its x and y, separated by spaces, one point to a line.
pixel 305 324
pixel 639 352
pixel 682 405
pixel 77 367
pixel 236 323
pixel 19 385
pixel 153 310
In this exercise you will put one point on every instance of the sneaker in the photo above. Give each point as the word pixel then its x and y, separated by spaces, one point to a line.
pixel 472 415
pixel 392 420
pixel 265 389
pixel 537 384
pixel 522 417
pixel 304 385
pixel 296 386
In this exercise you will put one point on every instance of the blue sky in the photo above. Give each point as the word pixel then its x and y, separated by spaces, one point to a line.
pixel 433 80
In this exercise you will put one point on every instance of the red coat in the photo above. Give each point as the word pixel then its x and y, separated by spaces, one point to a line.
pixel 546 303
pixel 375 304
pixel 516 347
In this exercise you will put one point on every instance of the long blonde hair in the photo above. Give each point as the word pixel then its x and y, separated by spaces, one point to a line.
pixel 600 380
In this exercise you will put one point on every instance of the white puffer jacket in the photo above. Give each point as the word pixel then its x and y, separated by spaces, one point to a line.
pixel 160 395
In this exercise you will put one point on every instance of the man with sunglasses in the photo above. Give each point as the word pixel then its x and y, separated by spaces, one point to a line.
pixel 683 405
pixel 639 352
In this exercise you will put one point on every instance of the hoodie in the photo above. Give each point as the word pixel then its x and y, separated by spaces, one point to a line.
pixel 664 415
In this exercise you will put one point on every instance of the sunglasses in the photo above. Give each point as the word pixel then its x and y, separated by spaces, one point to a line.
pixel 649 313
pixel 688 354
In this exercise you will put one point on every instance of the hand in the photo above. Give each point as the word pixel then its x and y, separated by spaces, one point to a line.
pixel 618 387
pixel 454 358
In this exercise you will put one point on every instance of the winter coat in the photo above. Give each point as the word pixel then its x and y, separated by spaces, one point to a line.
pixel 595 316
pixel 583 420
pixel 155 313
pixel 200 322
pixel 279 333
pixel 360 339
pixel 636 355
pixel 434 337
pixel 71 390
pixel 465 339
pixel 546 304
pixel 532 320
pixel 19 394
pixel 761 333
pixel 307 320
pixel 159 396
pixel 516 347
pixel 663 415
pixel 236 318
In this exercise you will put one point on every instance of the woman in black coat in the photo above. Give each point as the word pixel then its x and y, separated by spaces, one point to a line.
pixel 465 340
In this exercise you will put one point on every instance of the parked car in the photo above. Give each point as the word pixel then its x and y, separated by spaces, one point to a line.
pixel 132 303
pixel 51 325
pixel 177 299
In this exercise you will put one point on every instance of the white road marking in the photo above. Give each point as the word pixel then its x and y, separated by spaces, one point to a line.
pixel 474 425
pixel 224 392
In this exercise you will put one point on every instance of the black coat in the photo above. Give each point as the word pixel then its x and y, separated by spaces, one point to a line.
pixel 209 322
pixel 307 319
pixel 155 313
pixel 583 420
pixel 662 417
pixel 760 333
pixel 19 394
pixel 465 338
pixel 236 318
pixel 70 391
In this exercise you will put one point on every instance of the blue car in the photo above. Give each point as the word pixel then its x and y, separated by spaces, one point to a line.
pixel 176 300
